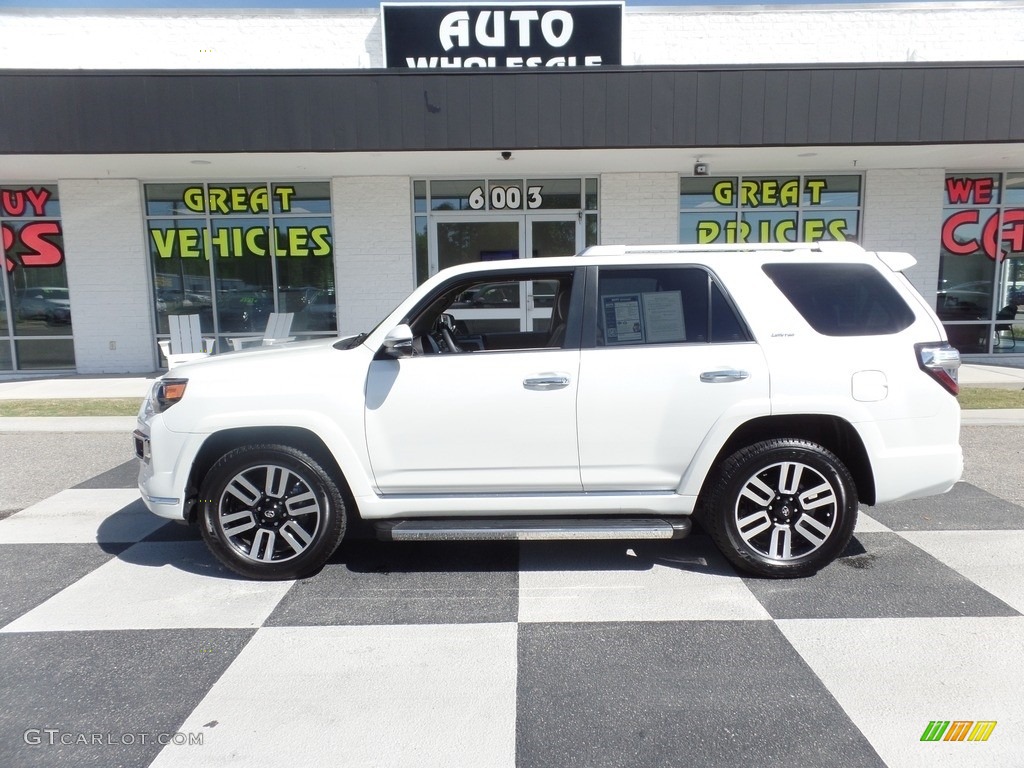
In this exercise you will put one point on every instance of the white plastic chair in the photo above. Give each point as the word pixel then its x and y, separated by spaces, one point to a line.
pixel 279 325
pixel 186 343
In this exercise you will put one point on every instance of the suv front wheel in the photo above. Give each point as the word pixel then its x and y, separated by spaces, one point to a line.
pixel 781 508
pixel 271 512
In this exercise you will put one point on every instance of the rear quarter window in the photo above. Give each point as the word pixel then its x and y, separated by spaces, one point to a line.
pixel 842 299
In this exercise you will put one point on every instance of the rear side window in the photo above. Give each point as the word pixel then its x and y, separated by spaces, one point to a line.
pixel 842 299
pixel 658 305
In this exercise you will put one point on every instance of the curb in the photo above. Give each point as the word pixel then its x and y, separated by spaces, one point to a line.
pixel 124 424
pixel 983 417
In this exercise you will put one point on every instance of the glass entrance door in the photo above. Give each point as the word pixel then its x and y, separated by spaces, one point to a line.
pixel 504 307
pixel 492 308
pixel 547 236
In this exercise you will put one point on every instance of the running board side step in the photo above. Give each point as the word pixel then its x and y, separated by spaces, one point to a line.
pixel 532 529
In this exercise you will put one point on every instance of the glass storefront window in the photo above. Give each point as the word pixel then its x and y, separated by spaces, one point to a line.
pixel 419 196
pixel 301 197
pixel 768 226
pixel 981 266
pixel 769 209
pixel 235 253
pixel 1014 189
pixel 456 195
pixel 548 194
pixel 591 195
pixel 422 250
pixel 35 303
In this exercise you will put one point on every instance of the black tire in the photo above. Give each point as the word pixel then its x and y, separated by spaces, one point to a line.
pixel 271 512
pixel 781 508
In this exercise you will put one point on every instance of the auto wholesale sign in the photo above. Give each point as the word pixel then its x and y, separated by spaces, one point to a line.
pixel 470 35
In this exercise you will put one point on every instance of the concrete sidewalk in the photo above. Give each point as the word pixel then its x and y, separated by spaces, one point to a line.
pixel 999 376
pixel 72 386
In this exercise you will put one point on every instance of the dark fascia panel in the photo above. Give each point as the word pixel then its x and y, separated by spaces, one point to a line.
pixel 114 112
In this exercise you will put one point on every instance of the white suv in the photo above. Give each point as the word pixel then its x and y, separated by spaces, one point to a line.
pixel 764 390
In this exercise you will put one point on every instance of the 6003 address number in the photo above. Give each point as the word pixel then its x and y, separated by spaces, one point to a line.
pixel 502 198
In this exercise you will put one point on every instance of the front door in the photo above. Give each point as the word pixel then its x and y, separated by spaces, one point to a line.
pixel 497 417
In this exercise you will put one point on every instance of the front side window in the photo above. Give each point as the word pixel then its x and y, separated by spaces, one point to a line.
pixel 235 253
pixel 663 305
pixel 498 312
pixel 35 304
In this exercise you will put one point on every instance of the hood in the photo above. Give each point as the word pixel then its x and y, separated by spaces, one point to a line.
pixel 279 353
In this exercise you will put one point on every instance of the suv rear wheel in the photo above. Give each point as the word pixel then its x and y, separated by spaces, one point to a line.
pixel 781 508
pixel 271 512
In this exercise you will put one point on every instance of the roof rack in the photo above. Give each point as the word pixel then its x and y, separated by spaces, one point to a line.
pixel 827 246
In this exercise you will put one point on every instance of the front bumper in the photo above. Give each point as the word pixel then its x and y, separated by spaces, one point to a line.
pixel 165 462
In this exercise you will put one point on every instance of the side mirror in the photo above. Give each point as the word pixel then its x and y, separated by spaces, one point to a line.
pixel 399 342
pixel 448 321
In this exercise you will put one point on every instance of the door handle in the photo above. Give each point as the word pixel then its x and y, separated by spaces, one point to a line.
pixel 547 381
pixel 720 377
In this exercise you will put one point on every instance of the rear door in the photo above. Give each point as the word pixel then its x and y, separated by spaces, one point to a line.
pixel 665 357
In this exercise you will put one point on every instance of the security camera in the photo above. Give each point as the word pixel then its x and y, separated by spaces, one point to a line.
pixel 506 155
pixel 700 169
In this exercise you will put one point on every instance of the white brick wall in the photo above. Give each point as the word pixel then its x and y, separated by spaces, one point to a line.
pixel 903 212
pixel 830 33
pixel 190 39
pixel 104 245
pixel 639 208
pixel 373 257
pixel 351 38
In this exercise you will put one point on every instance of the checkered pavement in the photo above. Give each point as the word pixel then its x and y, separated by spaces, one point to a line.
pixel 118 632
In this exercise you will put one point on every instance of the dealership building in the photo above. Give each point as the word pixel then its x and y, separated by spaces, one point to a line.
pixel 234 163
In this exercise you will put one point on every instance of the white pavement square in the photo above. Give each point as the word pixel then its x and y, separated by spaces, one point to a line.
pixel 618 583
pixel 388 696
pixel 894 676
pixel 81 516
pixel 867 524
pixel 156 586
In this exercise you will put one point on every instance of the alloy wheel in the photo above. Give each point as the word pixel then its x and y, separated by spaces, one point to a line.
pixel 269 513
pixel 786 510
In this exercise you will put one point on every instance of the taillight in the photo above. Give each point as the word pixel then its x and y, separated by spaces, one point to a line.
pixel 942 362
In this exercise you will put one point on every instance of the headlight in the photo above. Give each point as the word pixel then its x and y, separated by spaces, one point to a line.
pixel 166 392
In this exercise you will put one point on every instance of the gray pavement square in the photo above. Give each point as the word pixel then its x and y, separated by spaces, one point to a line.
pixel 964 508
pixel 881 575
pixel 370 582
pixel 29 577
pixel 675 694
pixel 172 531
pixel 104 698
pixel 124 475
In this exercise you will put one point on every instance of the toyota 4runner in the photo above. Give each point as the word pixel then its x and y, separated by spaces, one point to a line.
pixel 764 390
